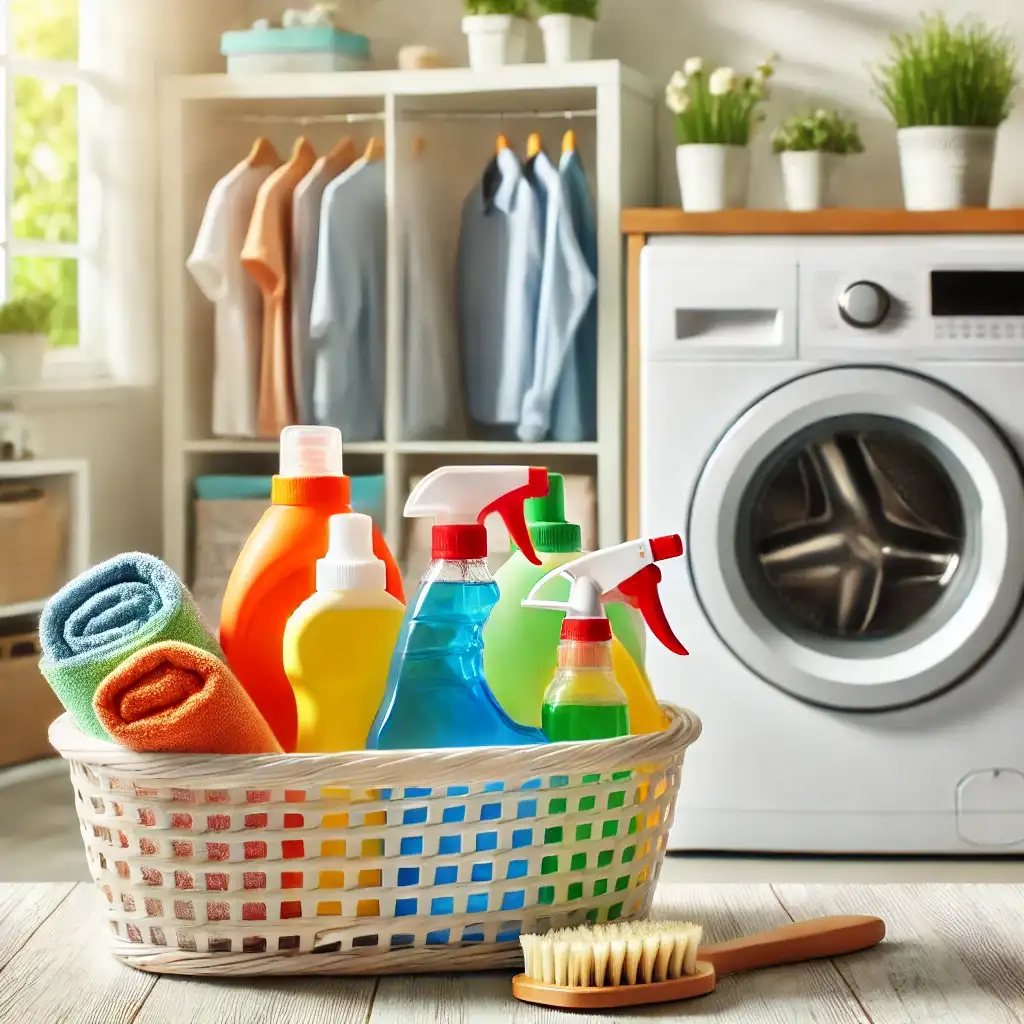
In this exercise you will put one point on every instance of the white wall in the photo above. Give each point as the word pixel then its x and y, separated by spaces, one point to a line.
pixel 825 47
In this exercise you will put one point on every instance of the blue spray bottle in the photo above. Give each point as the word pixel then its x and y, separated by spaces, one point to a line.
pixel 436 694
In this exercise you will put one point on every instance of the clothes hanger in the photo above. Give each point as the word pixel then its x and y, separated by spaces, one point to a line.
pixel 343 154
pixel 534 145
pixel 374 151
pixel 302 148
pixel 569 142
pixel 263 154
pixel 502 143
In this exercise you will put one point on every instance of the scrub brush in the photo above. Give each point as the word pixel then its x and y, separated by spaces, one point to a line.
pixel 635 963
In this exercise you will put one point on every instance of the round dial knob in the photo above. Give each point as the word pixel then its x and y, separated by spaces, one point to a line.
pixel 864 304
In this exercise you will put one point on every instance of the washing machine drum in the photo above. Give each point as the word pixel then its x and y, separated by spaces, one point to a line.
pixel 857 538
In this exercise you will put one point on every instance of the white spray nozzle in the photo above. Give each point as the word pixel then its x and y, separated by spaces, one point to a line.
pixel 350 563
pixel 626 572
pixel 456 495
pixel 311 452
pixel 462 497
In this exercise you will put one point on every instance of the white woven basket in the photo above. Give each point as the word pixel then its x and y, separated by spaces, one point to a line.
pixel 369 862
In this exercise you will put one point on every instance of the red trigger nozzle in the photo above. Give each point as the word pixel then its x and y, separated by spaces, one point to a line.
pixel 663 548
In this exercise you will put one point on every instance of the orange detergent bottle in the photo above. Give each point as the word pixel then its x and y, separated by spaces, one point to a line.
pixel 276 570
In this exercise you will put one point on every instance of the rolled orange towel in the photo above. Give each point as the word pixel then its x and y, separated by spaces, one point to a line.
pixel 175 698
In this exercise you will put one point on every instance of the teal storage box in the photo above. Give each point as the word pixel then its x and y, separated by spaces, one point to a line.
pixel 300 48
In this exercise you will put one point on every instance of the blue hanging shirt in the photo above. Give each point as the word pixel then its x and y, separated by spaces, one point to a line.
pixel 500 258
pixel 574 417
pixel 567 290
pixel 347 320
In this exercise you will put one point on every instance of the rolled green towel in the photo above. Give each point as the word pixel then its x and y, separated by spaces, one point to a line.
pixel 103 617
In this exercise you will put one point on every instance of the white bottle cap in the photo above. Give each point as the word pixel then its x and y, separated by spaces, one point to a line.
pixel 350 563
pixel 311 452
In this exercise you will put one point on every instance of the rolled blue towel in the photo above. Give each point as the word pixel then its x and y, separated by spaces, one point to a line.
pixel 106 615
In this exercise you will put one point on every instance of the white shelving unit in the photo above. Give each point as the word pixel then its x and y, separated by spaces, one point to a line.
pixel 70 477
pixel 204 135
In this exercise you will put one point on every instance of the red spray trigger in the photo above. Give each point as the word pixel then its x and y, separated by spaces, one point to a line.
pixel 642 590
pixel 663 548
pixel 510 507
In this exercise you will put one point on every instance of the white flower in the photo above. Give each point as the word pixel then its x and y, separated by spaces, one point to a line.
pixel 293 18
pixel 677 100
pixel 722 81
pixel 693 66
pixel 677 81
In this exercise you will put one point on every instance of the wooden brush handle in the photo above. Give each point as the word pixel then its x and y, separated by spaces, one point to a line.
pixel 792 943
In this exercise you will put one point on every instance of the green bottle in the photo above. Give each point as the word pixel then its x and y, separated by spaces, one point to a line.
pixel 521 645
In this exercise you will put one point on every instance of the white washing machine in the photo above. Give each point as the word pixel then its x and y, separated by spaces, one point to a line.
pixel 837 428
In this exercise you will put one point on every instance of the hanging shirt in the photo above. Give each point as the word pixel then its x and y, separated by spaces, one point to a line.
pixel 347 322
pixel 433 373
pixel 215 264
pixel 567 288
pixel 306 202
pixel 500 250
pixel 266 256
pixel 574 417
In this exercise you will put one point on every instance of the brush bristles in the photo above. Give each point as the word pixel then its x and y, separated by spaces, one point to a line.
pixel 624 953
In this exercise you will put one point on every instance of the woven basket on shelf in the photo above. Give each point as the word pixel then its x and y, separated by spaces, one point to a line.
pixel 369 862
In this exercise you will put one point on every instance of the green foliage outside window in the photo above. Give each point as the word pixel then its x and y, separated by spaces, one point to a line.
pixel 45 161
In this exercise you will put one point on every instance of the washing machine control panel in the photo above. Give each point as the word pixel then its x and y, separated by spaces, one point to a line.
pixel 945 298
pixel 864 304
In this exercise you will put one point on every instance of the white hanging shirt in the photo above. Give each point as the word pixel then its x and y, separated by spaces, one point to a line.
pixel 216 265
pixel 433 407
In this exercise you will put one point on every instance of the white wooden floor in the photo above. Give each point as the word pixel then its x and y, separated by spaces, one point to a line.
pixel 954 955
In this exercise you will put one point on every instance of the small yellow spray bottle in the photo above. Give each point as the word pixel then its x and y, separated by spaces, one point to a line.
pixel 585 700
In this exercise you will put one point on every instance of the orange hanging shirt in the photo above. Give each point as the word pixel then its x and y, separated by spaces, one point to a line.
pixel 265 256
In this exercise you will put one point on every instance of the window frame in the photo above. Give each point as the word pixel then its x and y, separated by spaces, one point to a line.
pixel 89 361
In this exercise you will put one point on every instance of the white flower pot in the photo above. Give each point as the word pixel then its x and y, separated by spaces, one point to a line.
pixel 807 179
pixel 22 356
pixel 945 168
pixel 495 40
pixel 567 38
pixel 712 176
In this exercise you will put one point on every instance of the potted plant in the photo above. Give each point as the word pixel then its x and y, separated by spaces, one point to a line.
pixel 948 88
pixel 496 30
pixel 810 146
pixel 24 324
pixel 568 27
pixel 715 114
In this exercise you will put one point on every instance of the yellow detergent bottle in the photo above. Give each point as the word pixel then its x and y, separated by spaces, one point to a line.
pixel 338 643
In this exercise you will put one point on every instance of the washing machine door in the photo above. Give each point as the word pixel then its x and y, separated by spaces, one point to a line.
pixel 857 538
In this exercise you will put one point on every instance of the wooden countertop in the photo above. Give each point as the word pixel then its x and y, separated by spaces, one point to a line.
pixel 953 953
pixel 673 221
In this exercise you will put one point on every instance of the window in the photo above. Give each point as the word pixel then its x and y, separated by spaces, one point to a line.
pixel 44 91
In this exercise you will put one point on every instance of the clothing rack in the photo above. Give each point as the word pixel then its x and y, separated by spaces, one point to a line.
pixel 308 119
pixel 431 115
pixel 508 115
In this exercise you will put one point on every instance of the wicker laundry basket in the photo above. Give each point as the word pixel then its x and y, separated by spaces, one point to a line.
pixel 369 862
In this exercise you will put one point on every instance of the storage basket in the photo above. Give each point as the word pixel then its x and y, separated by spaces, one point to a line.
pixel 369 862
pixel 32 539
pixel 28 702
